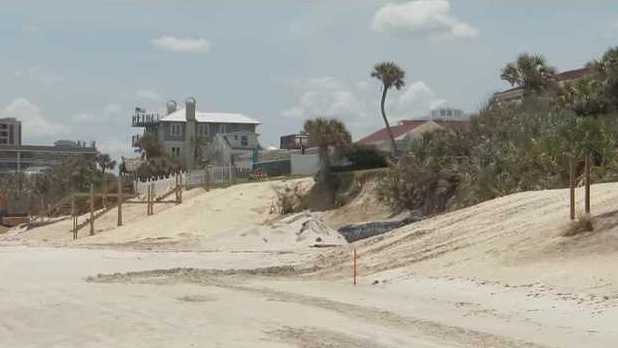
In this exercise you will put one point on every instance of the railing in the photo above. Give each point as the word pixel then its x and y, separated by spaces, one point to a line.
pixel 211 176
pixel 161 185
pixel 135 140
pixel 145 120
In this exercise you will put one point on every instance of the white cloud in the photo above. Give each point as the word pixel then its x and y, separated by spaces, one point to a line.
pixel 40 74
pixel 175 44
pixel 112 111
pixel 36 126
pixel 108 126
pixel 422 17
pixel 357 104
pixel 415 100
pixel 149 95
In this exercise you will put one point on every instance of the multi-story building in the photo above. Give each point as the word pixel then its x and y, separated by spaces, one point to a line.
pixel 190 135
pixel 35 159
pixel 10 131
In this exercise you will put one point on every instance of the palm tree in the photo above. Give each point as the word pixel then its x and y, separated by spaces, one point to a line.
pixel 584 97
pixel 391 75
pixel 326 133
pixel 529 72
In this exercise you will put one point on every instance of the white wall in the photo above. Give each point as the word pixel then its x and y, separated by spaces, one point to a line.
pixel 308 164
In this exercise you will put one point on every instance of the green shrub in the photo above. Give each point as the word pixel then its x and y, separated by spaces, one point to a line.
pixel 365 157
pixel 505 150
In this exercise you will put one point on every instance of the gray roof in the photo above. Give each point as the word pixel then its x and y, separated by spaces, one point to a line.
pixel 210 117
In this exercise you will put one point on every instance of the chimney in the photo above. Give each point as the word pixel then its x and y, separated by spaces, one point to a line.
pixel 190 108
pixel 171 106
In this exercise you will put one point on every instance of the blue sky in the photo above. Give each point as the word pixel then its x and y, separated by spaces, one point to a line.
pixel 77 69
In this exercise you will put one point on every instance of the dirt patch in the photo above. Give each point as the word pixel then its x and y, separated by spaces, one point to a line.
pixel 304 337
pixel 195 274
pixel 196 298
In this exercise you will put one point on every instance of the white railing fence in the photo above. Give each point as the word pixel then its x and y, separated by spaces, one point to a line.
pixel 161 185
pixel 212 176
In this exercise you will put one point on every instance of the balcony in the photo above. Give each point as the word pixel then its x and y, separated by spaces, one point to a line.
pixel 145 120
pixel 135 140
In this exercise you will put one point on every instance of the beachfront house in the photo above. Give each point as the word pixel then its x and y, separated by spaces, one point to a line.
pixel 195 138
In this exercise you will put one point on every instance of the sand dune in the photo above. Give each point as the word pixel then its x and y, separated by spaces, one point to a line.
pixel 498 274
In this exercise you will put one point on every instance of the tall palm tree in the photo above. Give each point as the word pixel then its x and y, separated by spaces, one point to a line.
pixel 530 72
pixel 326 133
pixel 391 75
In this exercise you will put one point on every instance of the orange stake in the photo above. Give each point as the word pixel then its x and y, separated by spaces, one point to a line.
pixel 354 266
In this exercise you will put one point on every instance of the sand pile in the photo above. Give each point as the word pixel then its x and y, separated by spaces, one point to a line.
pixel 365 206
pixel 218 214
pixel 516 239
pixel 296 231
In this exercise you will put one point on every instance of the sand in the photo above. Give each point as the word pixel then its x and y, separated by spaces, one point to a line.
pixel 203 217
pixel 499 274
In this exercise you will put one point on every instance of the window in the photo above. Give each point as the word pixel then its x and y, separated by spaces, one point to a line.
pixel 202 130
pixel 175 152
pixel 176 129
pixel 244 140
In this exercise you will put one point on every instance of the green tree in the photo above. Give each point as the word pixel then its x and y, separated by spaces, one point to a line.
pixel 327 133
pixel 105 162
pixel 391 75
pixel 585 97
pixel 530 72
pixel 150 147
pixel 606 71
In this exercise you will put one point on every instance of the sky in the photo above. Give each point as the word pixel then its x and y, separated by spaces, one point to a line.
pixel 76 69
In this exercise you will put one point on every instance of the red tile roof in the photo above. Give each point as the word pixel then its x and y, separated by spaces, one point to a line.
pixel 405 127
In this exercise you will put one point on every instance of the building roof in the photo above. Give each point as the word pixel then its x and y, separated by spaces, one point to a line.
pixel 568 75
pixel 382 135
pixel 210 117
pixel 573 74
pixel 404 127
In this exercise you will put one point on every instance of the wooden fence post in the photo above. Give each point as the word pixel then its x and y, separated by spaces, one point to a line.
pixel 207 178
pixel 180 189
pixel 177 180
pixel 354 262
pixel 91 209
pixel 74 216
pixel 104 192
pixel 148 199
pixel 230 174
pixel 119 201
pixel 587 170
pixel 572 186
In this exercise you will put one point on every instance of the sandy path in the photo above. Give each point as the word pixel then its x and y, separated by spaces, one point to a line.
pixel 45 301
